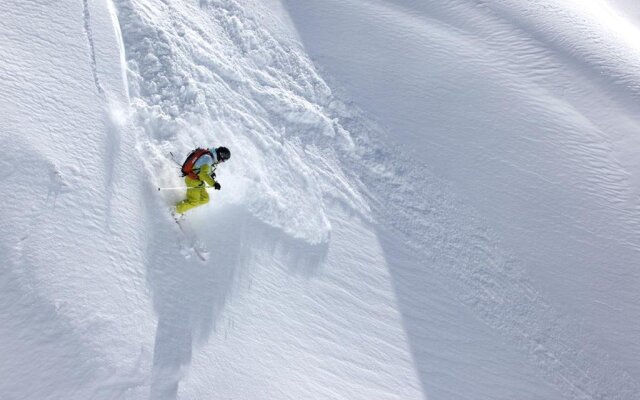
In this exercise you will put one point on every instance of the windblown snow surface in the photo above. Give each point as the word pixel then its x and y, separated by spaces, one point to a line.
pixel 426 199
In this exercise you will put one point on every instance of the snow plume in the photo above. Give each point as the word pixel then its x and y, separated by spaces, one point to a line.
pixel 209 76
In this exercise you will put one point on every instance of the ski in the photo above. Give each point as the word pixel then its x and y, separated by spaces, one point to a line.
pixel 192 242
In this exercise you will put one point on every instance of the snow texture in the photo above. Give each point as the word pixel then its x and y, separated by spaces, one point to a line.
pixel 425 199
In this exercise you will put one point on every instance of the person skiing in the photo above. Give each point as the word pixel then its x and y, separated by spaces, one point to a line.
pixel 199 171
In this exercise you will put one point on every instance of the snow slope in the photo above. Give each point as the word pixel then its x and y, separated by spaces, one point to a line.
pixel 424 200
pixel 533 121
pixel 626 9
pixel 75 316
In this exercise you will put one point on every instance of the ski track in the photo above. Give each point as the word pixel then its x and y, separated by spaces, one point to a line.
pixel 92 49
pixel 267 96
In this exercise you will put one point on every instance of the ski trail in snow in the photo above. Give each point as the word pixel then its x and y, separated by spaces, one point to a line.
pixel 92 51
pixel 115 118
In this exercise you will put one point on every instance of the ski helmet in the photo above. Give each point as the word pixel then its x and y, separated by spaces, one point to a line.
pixel 223 154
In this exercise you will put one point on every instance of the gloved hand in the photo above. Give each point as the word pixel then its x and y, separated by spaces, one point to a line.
pixel 216 186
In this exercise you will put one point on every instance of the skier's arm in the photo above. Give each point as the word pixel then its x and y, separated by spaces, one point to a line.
pixel 205 176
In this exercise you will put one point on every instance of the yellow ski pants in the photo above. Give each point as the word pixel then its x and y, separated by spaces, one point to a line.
pixel 196 195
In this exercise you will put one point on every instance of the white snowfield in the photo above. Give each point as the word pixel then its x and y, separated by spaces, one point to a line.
pixel 425 199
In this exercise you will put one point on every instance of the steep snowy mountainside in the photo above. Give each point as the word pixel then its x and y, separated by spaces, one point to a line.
pixel 103 298
pixel 72 291
pixel 210 74
pixel 425 199
pixel 460 233
pixel 527 112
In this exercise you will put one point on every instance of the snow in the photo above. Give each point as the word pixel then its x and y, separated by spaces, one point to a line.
pixel 627 9
pixel 424 200
pixel 73 293
pixel 542 154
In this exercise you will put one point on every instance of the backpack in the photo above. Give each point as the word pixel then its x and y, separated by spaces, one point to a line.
pixel 187 167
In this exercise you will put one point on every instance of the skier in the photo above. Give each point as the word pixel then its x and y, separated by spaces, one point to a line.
pixel 198 170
